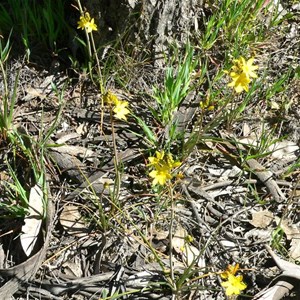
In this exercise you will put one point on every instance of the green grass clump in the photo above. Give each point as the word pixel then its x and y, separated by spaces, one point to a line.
pixel 177 85
pixel 38 23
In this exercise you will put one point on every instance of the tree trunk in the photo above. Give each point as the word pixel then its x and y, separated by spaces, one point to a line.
pixel 151 23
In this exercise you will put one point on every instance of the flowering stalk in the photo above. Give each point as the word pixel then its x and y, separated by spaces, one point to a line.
pixel 87 24
pixel 82 26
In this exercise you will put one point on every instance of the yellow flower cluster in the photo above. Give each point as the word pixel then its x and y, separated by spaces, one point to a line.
pixel 206 104
pixel 162 165
pixel 241 73
pixel 233 284
pixel 87 23
pixel 119 107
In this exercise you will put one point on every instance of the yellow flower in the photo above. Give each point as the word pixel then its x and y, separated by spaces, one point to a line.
pixel 239 82
pixel 160 175
pixel 111 98
pixel 163 165
pixel 189 239
pixel 162 159
pixel 241 74
pixel 179 176
pixel 119 107
pixel 246 66
pixel 121 110
pixel 85 22
pixel 156 160
pixel 206 104
pixel 230 270
pixel 171 163
pixel 234 285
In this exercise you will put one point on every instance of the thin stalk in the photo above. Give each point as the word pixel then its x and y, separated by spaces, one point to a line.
pixel 170 238
pixel 102 90
pixel 116 161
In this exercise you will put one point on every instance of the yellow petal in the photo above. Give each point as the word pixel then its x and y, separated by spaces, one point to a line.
pixel 234 285
pixel 121 111
pixel 87 16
